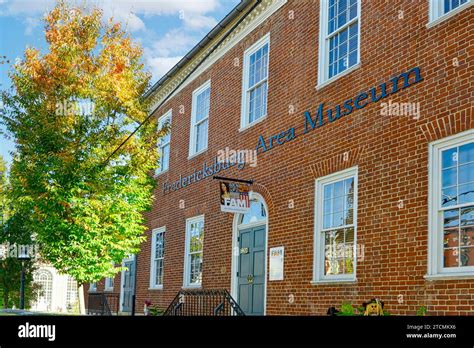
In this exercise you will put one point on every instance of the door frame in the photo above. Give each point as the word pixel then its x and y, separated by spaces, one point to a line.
pixel 127 259
pixel 235 251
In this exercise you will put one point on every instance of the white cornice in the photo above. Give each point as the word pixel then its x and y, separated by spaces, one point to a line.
pixel 262 12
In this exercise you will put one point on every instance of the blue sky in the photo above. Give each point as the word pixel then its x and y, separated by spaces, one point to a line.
pixel 167 29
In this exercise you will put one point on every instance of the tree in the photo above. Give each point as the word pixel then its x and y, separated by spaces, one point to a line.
pixel 69 109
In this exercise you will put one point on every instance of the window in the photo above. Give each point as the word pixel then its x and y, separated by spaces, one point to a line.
pixel 256 214
pixel 164 143
pixel 339 38
pixel 44 299
pixel 336 227
pixel 255 82
pixel 92 287
pixel 443 9
pixel 109 284
pixel 71 294
pixel 452 206
pixel 157 258
pixel 200 119
pixel 193 253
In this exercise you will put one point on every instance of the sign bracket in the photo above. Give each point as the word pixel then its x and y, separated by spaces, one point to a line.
pixel 250 182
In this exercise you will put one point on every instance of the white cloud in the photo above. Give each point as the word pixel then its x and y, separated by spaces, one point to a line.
pixel 161 65
pixel 31 23
pixel 193 18
pixel 198 21
pixel 174 41
pixel 26 7
pixel 193 13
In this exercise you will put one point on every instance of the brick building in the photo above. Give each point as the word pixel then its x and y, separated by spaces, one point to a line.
pixel 362 116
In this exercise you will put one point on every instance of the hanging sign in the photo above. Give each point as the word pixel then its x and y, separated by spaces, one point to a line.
pixel 234 197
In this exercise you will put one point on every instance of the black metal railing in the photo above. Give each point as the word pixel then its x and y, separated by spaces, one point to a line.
pixel 103 304
pixel 204 303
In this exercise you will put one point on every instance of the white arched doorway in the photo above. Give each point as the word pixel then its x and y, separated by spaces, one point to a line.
pixel 249 257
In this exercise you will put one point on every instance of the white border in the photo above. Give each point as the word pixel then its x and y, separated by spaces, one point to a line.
pixel 192 131
pixel 323 64
pixel 435 239
pixel 245 81
pixel 235 250
pixel 318 252
pixel 189 221
pixel 436 8
pixel 154 233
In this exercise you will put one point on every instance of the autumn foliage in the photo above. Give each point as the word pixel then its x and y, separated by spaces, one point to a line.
pixel 86 211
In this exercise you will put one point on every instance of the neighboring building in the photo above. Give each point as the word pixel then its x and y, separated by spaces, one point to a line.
pixel 58 293
pixel 363 117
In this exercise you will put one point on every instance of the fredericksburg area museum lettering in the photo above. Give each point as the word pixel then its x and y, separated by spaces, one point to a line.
pixel 374 95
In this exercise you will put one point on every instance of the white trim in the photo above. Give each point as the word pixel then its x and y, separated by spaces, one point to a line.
pixel 247 28
pixel 235 250
pixel 323 59
pixel 168 114
pixel 457 276
pixel 436 15
pixel 92 289
pixel 435 238
pixel 244 111
pixel 154 233
pixel 243 129
pixel 318 252
pixel 187 269
pixel 332 282
pixel 108 288
pixel 338 76
pixel 192 131
pixel 127 259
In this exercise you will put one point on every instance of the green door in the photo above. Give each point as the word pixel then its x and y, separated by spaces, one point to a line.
pixel 251 273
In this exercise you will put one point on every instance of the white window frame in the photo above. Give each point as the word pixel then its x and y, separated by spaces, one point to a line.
pixel 155 233
pixel 244 119
pixel 194 124
pixel 323 62
pixel 187 268
pixel 319 244
pixel 92 287
pixel 435 230
pixel 436 11
pixel 168 114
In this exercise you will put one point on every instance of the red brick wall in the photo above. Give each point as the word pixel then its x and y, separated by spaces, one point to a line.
pixel 391 153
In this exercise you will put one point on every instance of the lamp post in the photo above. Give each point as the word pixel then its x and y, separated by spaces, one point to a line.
pixel 23 255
